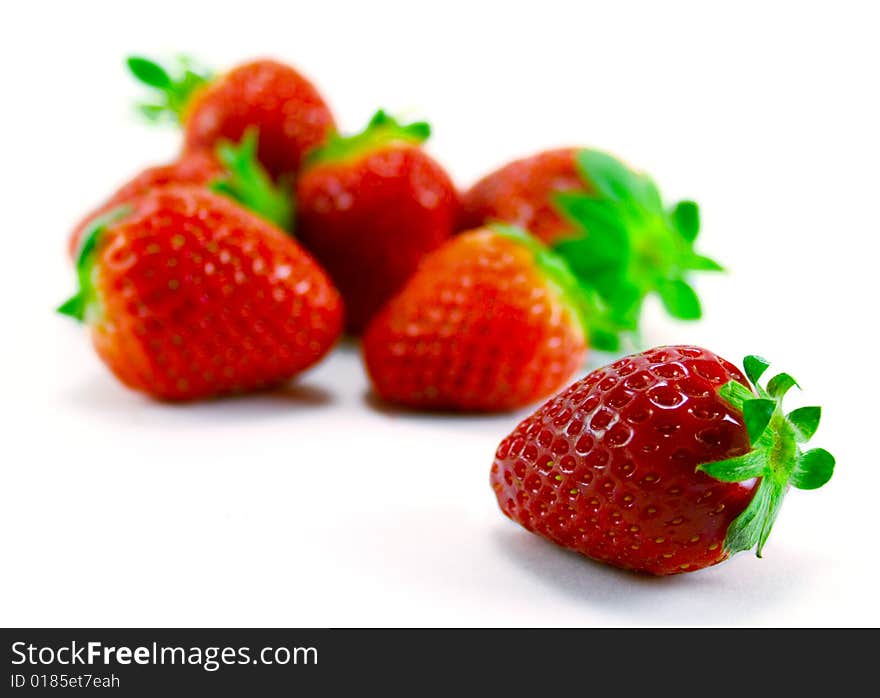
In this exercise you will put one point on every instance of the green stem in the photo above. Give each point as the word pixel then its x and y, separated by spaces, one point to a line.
pixel 248 183
pixel 775 456
pixel 84 305
pixel 383 130
pixel 172 89
pixel 628 245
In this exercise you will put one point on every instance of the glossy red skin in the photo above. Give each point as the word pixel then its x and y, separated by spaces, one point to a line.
pixel 199 168
pixel 370 221
pixel 521 193
pixel 477 328
pixel 201 298
pixel 607 467
pixel 288 110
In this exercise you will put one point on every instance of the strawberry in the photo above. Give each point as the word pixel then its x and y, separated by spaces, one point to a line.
pixel 189 296
pixel 663 462
pixel 290 114
pixel 521 193
pixel 233 170
pixel 490 321
pixel 369 207
pixel 200 168
pixel 608 222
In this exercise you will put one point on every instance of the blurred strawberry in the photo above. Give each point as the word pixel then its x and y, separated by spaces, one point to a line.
pixel 522 193
pixel 287 110
pixel 369 207
pixel 233 171
pixel 188 296
pixel 491 321
pixel 609 223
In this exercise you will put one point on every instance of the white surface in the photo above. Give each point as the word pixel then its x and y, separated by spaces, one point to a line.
pixel 315 508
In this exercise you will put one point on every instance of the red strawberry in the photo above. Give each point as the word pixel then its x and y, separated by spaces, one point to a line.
pixel 190 296
pixel 290 114
pixel 610 225
pixel 490 321
pixel 199 168
pixel 369 207
pixel 521 193
pixel 662 462
pixel 233 171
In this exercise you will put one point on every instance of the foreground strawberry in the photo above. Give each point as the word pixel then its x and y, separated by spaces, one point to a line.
pixel 369 207
pixel 662 462
pixel 189 296
pixel 287 110
pixel 490 321
pixel 609 223
pixel 232 170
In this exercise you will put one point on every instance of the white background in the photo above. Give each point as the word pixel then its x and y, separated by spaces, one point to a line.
pixel 314 507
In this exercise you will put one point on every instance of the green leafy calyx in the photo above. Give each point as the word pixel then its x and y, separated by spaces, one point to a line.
pixel 382 131
pixel 775 457
pixel 84 305
pixel 628 245
pixel 249 184
pixel 172 88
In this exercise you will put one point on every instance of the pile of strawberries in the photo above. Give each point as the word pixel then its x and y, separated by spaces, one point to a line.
pixel 242 263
